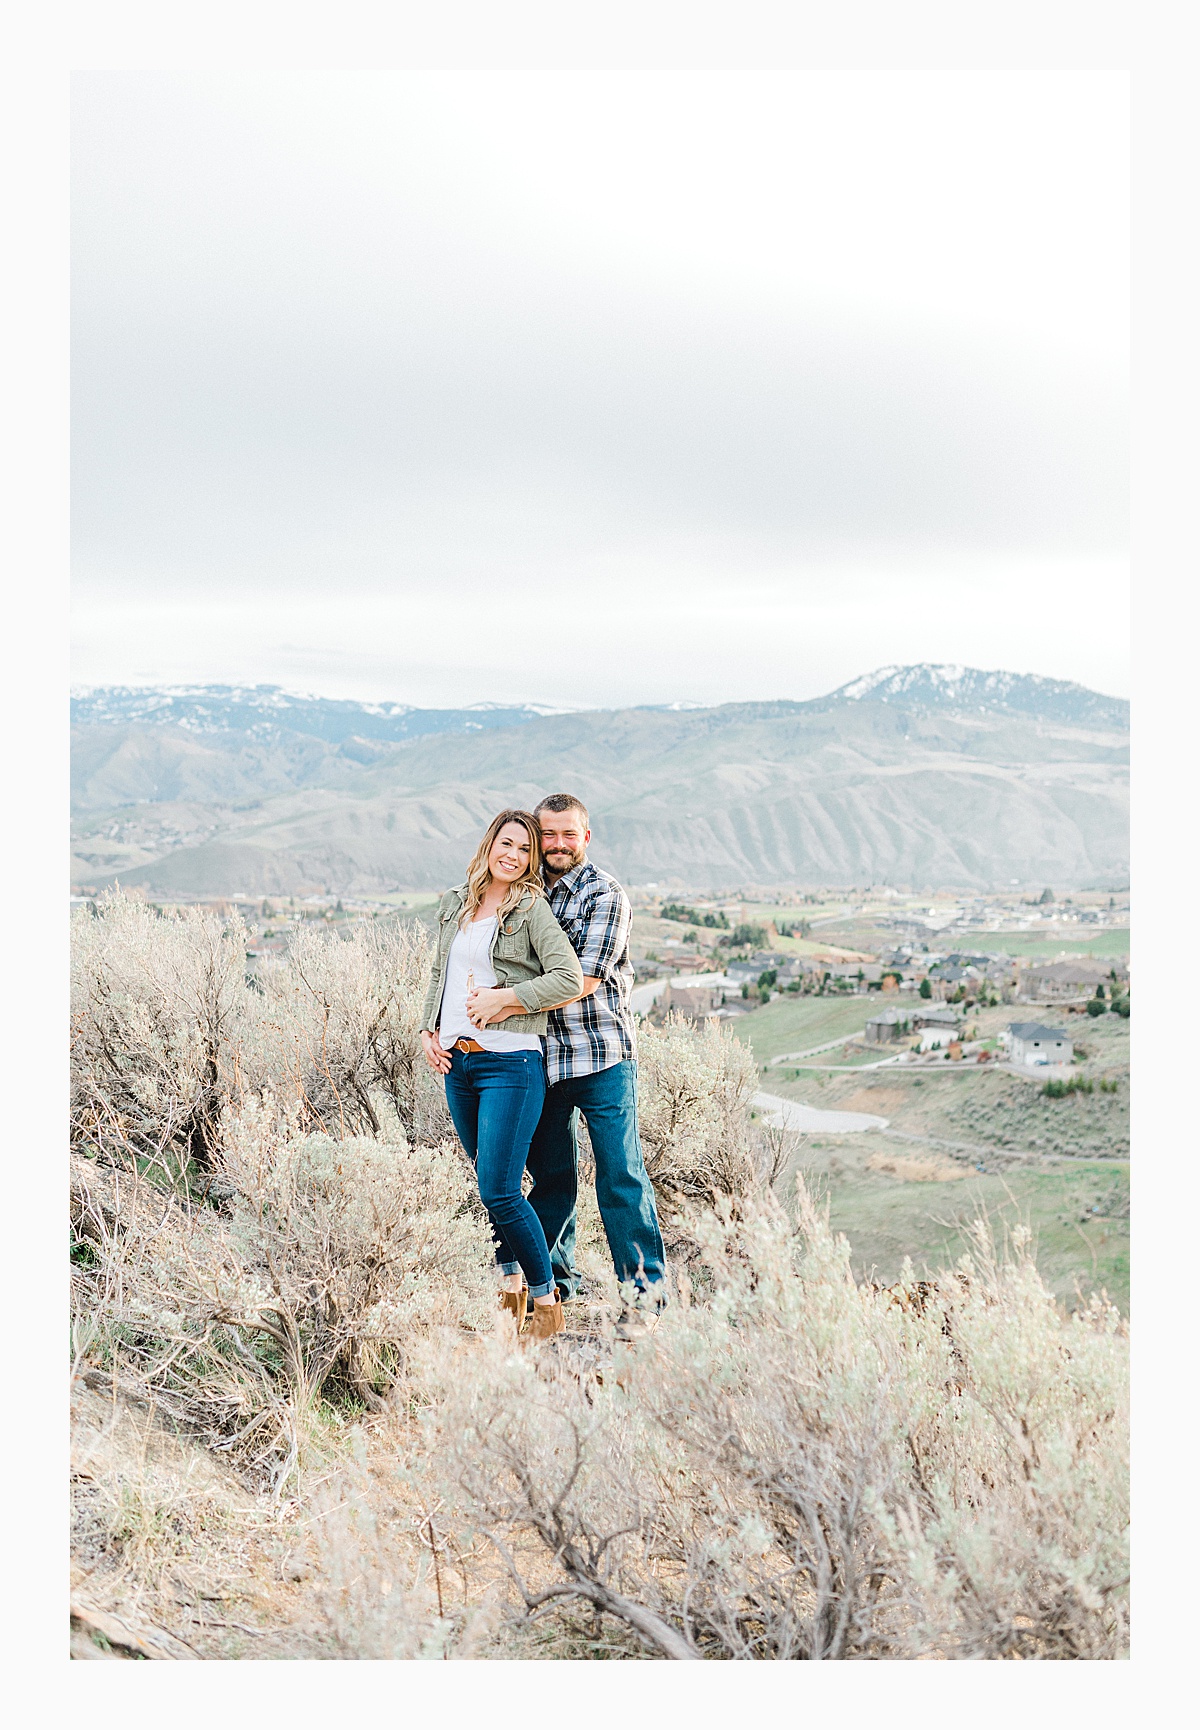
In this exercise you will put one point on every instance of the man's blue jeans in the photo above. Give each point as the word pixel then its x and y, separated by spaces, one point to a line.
pixel 494 1099
pixel 607 1101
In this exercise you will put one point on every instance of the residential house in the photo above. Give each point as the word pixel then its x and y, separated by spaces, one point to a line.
pixel 699 962
pixel 970 974
pixel 936 1024
pixel 1066 981
pixel 765 958
pixel 696 1002
pixel 742 973
pixel 747 972
pixel 1032 1044
pixel 887 1028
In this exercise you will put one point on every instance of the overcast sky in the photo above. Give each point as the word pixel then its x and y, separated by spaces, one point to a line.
pixel 588 388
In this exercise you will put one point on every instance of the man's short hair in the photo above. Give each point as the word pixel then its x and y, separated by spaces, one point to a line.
pixel 562 802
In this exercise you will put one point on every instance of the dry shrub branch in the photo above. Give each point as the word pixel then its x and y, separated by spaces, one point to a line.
pixel 168 1034
pixel 803 1468
pixel 341 1024
pixel 326 1259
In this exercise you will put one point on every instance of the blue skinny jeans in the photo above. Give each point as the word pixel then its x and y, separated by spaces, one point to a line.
pixel 495 1100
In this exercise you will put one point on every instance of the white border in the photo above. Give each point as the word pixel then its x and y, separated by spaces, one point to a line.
pixel 1078 36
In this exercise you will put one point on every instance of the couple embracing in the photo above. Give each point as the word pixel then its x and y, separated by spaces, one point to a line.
pixel 527 1018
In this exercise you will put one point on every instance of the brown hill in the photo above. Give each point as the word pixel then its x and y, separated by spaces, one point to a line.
pixel 886 787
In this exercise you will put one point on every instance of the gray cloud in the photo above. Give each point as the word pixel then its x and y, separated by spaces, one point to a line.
pixel 297 372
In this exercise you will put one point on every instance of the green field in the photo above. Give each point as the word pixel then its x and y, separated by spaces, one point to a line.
pixel 884 1218
pixel 1035 945
pixel 795 1023
pixel 828 1061
pixel 1039 948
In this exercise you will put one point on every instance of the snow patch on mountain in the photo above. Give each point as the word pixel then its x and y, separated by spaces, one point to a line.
pixel 944 687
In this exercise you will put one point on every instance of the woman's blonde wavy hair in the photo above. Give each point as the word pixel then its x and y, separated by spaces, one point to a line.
pixel 478 875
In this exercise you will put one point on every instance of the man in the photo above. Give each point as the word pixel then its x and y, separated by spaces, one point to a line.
pixel 591 1068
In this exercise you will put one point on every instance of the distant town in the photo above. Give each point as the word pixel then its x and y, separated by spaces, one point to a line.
pixel 927 963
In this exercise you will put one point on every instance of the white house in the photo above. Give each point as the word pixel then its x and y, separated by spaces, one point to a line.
pixel 1032 1044
pixel 937 1038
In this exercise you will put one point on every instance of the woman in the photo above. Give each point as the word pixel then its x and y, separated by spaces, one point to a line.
pixel 497 930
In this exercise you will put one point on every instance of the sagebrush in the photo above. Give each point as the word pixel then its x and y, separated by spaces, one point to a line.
pixel 279 1260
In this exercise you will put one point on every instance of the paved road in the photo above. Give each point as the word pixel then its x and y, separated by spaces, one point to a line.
pixel 855 1068
pixel 643 997
pixel 807 1120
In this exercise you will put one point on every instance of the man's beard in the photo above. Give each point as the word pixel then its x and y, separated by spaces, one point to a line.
pixel 561 863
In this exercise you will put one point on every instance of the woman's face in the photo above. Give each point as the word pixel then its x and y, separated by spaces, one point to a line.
pixel 509 857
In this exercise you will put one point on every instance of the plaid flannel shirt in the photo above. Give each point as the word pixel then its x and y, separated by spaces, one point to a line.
pixel 598 1031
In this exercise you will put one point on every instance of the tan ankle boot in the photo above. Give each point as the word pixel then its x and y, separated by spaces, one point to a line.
pixel 514 1302
pixel 545 1320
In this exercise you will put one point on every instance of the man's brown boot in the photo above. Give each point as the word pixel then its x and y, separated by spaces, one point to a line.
pixel 514 1302
pixel 545 1320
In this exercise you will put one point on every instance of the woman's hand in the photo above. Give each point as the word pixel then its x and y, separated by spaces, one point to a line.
pixel 436 1055
pixel 491 1003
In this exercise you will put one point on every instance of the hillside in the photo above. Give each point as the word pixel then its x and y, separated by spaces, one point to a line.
pixel 230 742
pixel 921 775
pixel 358 1460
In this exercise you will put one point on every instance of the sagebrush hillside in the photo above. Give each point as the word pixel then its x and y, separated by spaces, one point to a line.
pixel 300 1432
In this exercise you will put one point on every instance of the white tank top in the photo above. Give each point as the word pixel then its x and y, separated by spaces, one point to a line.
pixel 468 967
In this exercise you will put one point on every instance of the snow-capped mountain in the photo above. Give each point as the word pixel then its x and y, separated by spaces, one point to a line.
pixel 927 774
pixel 265 711
pixel 930 687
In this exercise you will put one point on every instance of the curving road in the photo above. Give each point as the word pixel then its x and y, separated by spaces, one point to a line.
pixel 807 1120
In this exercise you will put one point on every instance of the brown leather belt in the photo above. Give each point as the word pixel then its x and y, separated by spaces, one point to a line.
pixel 468 1045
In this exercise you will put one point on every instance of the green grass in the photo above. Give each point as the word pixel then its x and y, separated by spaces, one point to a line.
pixel 795 1023
pixel 1033 945
pixel 885 1219
pixel 1113 944
pixel 830 1062
pixel 818 943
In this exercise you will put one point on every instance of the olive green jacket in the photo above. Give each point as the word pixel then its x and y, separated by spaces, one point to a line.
pixel 530 954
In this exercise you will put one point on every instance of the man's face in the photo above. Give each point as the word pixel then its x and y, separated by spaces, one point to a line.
pixel 564 840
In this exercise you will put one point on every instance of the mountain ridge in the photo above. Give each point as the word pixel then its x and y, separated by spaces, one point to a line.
pixel 246 708
pixel 954 688
pixel 922 774
pixel 220 708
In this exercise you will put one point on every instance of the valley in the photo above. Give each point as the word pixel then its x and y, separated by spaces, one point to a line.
pixel 966 1129
pixel 985 813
